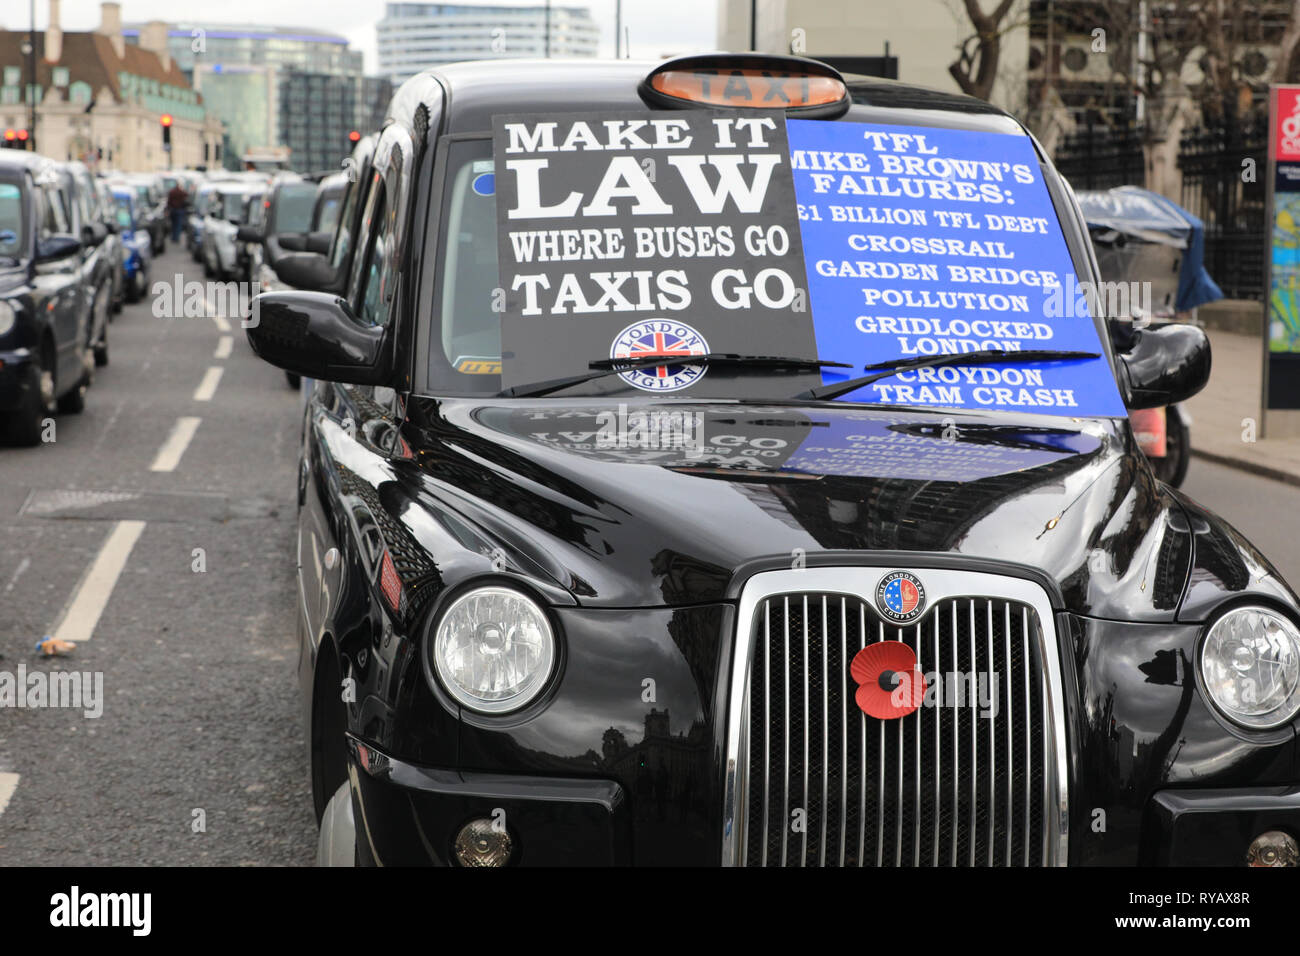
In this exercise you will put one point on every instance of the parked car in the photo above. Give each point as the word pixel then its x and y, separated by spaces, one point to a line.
pixel 114 248
pixel 1143 239
pixel 194 224
pixel 321 261
pixel 152 207
pixel 97 259
pixel 293 221
pixel 137 245
pixel 46 307
pixel 224 255
pixel 605 557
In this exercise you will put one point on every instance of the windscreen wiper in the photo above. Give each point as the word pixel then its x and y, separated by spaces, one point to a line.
pixel 603 367
pixel 982 357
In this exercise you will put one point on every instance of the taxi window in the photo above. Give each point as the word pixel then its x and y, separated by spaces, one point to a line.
pixel 327 215
pixel 232 206
pixel 377 278
pixel 293 207
pixel 123 212
pixel 343 240
pixel 467 351
pixel 54 213
pixel 11 219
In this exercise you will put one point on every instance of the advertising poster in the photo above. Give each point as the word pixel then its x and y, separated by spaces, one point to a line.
pixel 1282 388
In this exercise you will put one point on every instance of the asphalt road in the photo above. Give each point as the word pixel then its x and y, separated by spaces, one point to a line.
pixel 1262 509
pixel 199 695
pixel 199 716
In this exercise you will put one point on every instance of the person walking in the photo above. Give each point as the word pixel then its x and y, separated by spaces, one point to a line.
pixel 176 202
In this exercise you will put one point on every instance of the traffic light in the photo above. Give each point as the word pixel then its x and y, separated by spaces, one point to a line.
pixel 353 138
pixel 166 121
pixel 15 138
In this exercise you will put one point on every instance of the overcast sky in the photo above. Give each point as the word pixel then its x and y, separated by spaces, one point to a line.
pixel 656 27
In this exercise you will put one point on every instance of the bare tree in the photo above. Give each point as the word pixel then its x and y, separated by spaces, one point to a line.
pixel 1284 69
pixel 976 67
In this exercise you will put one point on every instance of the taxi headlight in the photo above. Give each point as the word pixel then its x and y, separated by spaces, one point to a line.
pixel 7 317
pixel 1250 666
pixel 493 649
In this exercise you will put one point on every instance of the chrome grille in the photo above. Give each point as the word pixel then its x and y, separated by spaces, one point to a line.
pixel 821 783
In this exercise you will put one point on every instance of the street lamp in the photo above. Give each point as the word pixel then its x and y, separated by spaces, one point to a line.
pixel 29 50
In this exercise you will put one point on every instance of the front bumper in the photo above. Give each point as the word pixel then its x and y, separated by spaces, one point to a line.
pixel 408 815
pixel 1215 827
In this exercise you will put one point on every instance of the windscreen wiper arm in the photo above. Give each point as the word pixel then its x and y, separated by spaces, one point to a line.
pixel 982 357
pixel 604 367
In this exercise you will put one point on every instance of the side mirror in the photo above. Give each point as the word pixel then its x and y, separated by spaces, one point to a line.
pixel 320 242
pixel 292 241
pixel 52 248
pixel 1161 364
pixel 316 334
pixel 304 270
pixel 93 233
pixel 248 234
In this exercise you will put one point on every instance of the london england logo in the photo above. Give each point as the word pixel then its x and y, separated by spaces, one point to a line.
pixel 654 338
pixel 900 597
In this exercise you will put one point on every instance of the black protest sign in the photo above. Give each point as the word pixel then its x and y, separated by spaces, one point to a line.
pixel 647 234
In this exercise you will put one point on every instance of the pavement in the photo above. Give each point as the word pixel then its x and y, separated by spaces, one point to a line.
pixel 1226 414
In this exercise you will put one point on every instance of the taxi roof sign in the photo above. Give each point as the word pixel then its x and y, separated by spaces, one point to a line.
pixel 799 85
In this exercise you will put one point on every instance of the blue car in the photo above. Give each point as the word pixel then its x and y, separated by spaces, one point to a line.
pixel 135 239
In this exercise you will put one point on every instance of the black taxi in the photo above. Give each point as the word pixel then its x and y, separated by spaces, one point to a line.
pixel 55 294
pixel 725 461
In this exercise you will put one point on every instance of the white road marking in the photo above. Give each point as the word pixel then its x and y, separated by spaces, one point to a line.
pixel 222 324
pixel 169 455
pixel 8 784
pixel 23 565
pixel 208 387
pixel 79 620
pixel 224 344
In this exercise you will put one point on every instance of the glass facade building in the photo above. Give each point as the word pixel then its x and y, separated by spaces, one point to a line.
pixel 274 86
pixel 415 36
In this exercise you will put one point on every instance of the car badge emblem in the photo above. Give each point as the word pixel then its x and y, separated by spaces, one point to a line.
pixel 890 685
pixel 653 338
pixel 900 596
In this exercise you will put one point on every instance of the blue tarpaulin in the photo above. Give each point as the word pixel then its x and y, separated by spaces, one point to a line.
pixel 1151 217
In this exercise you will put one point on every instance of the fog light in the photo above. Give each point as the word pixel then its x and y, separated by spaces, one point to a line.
pixel 482 843
pixel 1273 848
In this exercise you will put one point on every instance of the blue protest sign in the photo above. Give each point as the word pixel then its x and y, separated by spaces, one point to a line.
pixel 924 241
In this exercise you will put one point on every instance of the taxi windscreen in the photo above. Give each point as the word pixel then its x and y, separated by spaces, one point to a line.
pixel 568 242
pixel 293 207
pixel 11 220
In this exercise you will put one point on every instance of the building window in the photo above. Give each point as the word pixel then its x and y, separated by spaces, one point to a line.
pixel 60 76
pixel 79 92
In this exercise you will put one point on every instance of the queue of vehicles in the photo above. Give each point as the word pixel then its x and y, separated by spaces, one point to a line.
pixel 74 246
